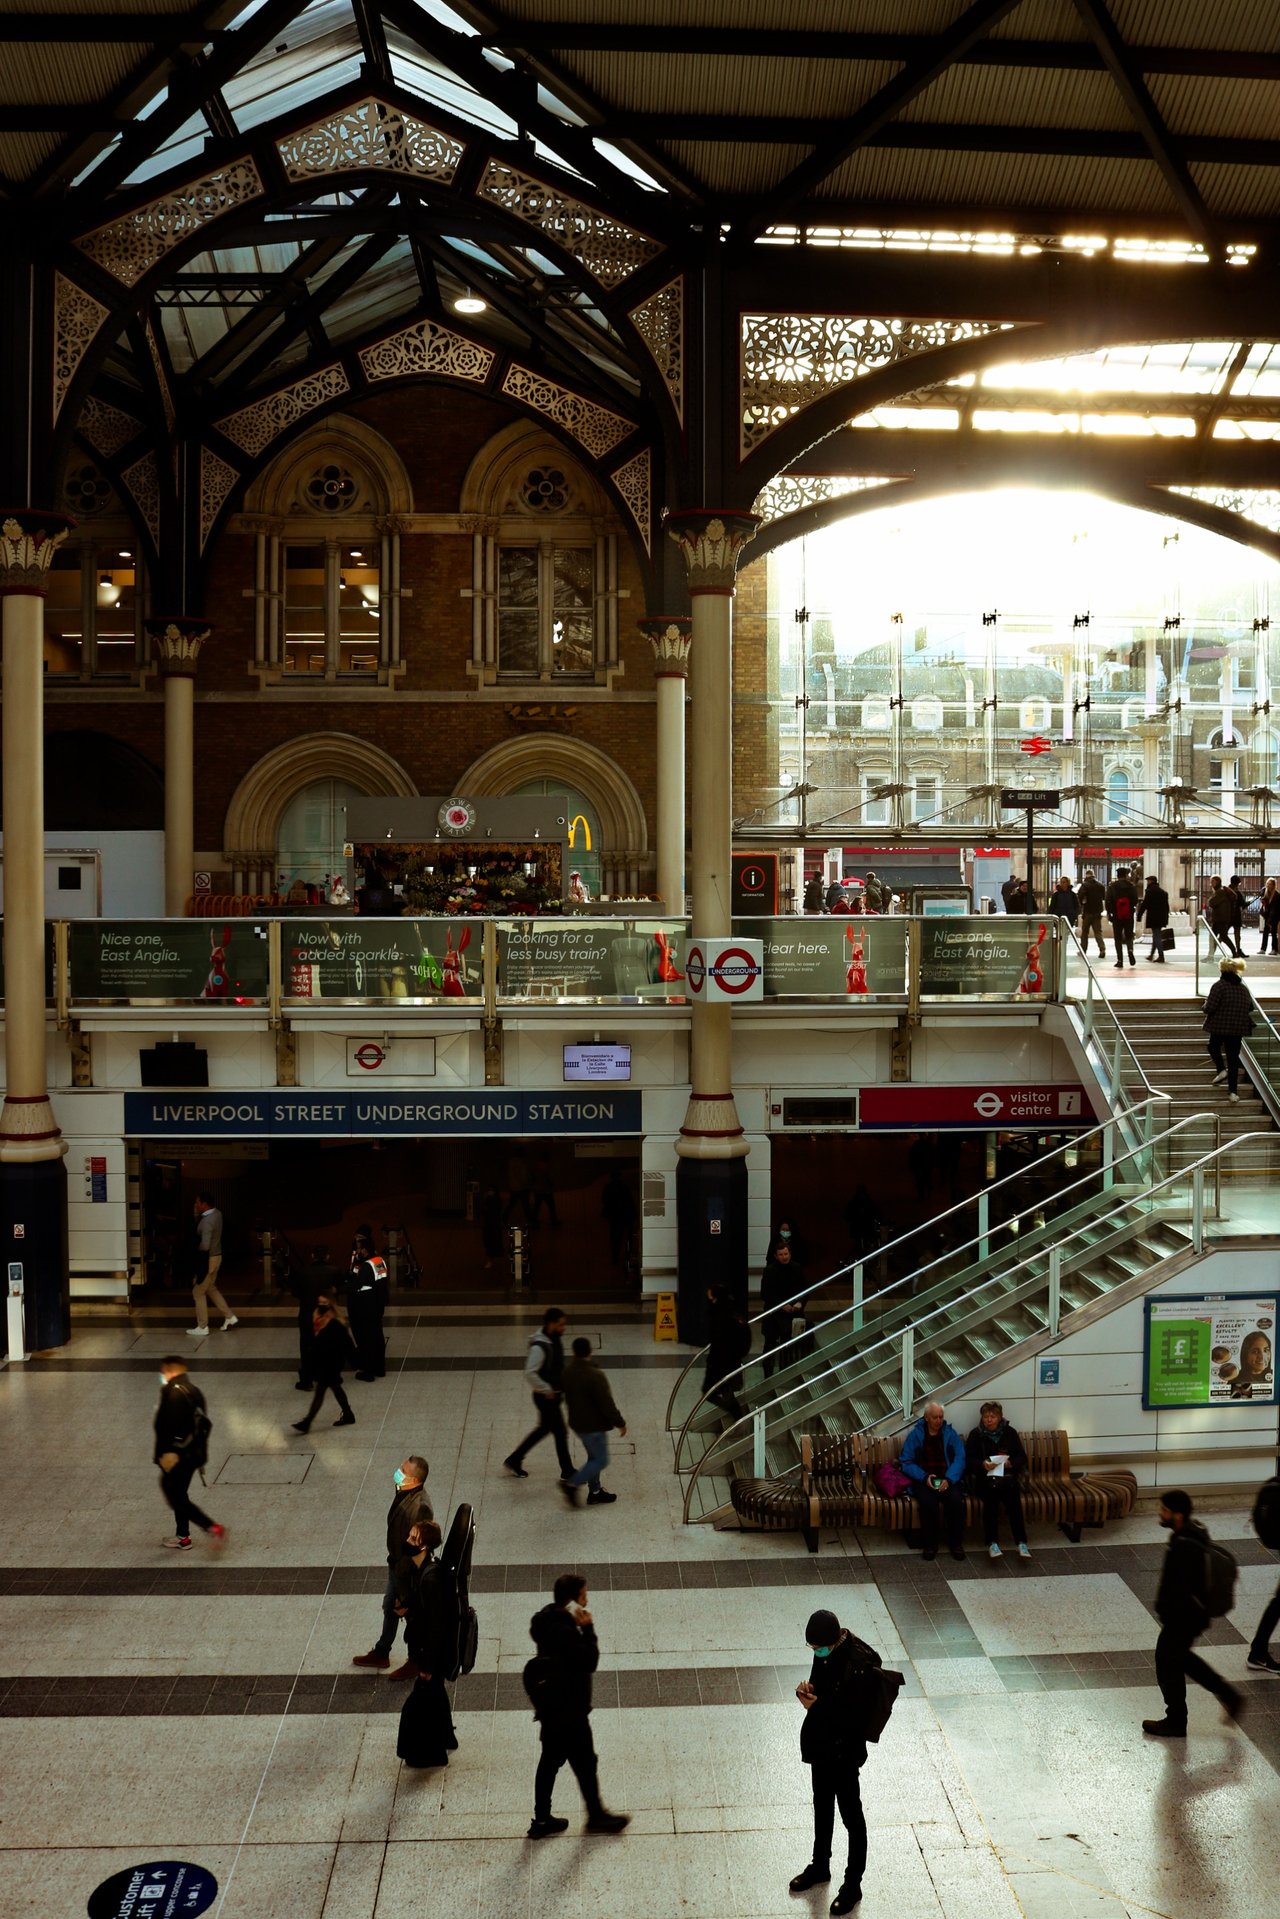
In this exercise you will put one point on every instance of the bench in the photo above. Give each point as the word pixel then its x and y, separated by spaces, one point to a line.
pixel 835 1487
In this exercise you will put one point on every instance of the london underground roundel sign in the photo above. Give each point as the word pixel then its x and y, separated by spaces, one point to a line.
pixel 735 971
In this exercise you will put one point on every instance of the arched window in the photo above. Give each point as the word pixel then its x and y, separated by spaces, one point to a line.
pixel 311 834
pixel 93 610
pixel 583 852
pixel 1117 796
pixel 1224 771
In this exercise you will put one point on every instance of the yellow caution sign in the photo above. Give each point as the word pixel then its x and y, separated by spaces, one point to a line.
pixel 664 1319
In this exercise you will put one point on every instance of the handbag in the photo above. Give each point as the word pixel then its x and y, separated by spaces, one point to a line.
pixel 890 1481
pixel 1167 941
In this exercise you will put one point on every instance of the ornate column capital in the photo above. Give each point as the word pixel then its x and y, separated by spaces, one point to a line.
pixel 711 543
pixel 387 525
pixel 29 539
pixel 176 645
pixel 671 637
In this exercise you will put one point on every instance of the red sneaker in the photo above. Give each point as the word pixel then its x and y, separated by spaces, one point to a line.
pixel 217 1535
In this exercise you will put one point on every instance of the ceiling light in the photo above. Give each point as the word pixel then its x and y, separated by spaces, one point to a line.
pixel 470 302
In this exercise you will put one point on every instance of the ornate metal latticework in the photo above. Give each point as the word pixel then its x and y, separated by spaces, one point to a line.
pixel 427 347
pixel 1261 505
pixel 129 247
pixel 595 427
pixel 791 359
pixel 106 427
pixel 610 251
pixel 87 492
pixel 789 493
pixel 634 482
pixel 216 481
pixel 371 133
pixel 143 482
pixel 659 321
pixel 254 427
pixel 77 317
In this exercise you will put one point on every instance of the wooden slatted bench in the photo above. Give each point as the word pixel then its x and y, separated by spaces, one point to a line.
pixel 834 1486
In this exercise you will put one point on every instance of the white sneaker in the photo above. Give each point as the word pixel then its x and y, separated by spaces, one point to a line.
pixel 197 1332
pixel 229 1321
pixel 1218 1078
pixel 1024 1551
pixel 994 1552
pixel 1234 1098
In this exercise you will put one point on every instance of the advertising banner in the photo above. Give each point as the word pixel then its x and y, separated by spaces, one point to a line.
pixel 163 961
pixel 380 960
pixel 1000 957
pixel 626 960
pixel 379 1115
pixel 1209 1350
pixel 829 957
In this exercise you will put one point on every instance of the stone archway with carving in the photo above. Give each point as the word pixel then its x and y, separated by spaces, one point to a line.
pixel 626 863
pixel 258 803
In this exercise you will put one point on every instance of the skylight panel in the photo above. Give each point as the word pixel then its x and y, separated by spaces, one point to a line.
pixel 416 70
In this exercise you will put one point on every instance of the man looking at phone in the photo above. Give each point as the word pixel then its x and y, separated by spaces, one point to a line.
pixel 833 1745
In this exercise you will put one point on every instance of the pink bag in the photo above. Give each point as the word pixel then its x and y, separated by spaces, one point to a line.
pixel 890 1480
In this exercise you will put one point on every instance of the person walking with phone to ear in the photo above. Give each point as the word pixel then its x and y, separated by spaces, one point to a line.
pixel 568 1653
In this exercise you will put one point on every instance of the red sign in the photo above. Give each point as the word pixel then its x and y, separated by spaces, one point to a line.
pixel 1036 745
pixel 1003 1109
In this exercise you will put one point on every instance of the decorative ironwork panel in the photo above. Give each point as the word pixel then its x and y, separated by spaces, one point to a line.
pixel 594 426
pixel 789 494
pixel 105 427
pixel 659 321
pixel 610 251
pixel 143 481
pixel 77 317
pixel 634 482
pixel 1259 504
pixel 216 481
pixel 254 427
pixel 791 359
pixel 86 492
pixel 129 247
pixel 427 347
pixel 371 133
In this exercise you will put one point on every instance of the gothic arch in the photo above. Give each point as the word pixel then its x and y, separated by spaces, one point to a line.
pixel 492 486
pixel 346 441
pixel 551 756
pixel 253 817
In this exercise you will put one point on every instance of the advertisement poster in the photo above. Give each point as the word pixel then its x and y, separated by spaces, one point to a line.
pixel 379 960
pixel 591 959
pixel 1207 1350
pixel 989 958
pixel 216 961
pixel 849 956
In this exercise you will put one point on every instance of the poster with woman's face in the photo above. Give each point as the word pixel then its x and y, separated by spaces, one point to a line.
pixel 1210 1352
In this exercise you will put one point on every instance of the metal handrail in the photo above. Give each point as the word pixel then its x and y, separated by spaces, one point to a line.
pixel 1194 1172
pixel 1095 994
pixel 1268 1093
pixel 1081 1139
pixel 1182 1125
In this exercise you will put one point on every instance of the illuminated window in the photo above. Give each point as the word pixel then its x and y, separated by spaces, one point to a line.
pixel 92 615
pixel 332 611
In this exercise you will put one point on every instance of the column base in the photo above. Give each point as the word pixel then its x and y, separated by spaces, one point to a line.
pixel 33 1233
pixel 711 1236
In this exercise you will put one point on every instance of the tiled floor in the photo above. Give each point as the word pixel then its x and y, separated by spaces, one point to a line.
pixel 205 1708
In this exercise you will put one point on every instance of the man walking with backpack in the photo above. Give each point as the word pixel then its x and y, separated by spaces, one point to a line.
pixel 1122 907
pixel 182 1428
pixel 544 1375
pixel 558 1682
pixel 1266 1523
pixel 1197 1585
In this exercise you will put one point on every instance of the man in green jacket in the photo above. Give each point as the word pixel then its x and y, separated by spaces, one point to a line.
pixel 593 1416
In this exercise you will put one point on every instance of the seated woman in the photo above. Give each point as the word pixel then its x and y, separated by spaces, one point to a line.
pixel 994 1456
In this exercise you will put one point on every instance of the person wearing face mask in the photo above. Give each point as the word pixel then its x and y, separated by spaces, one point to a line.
pixel 1183 1616
pixel 331 1350
pixel 995 1458
pixel 409 1508
pixel 834 1747
pixel 782 1289
pixel 182 1427
pixel 426 1735
pixel 932 1457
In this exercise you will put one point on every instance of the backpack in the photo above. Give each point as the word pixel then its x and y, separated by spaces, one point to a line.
pixel 1266 1515
pixel 1219 1579
pixel 196 1448
pixel 536 1677
pixel 1123 907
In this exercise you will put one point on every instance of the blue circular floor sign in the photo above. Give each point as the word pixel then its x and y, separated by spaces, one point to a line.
pixel 164 1889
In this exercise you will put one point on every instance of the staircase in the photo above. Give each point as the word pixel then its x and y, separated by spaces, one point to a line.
pixel 1169 1041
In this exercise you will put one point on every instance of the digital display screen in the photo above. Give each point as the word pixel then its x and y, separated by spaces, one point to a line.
pixel 598 1063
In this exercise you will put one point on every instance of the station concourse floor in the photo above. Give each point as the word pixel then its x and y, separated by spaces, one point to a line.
pixel 203 1706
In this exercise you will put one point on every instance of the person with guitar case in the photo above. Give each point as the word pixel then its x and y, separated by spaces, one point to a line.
pixel 433 1594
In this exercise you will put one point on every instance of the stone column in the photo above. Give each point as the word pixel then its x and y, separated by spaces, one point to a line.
pixel 711 1178
pixel 176 645
pixel 33 1180
pixel 668 635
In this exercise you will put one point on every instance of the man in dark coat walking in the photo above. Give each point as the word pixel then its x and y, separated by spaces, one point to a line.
pixel 1122 907
pixel 1183 1616
pixel 1228 1020
pixel 330 1352
pixel 317 1277
pixel 1092 899
pixel 409 1507
pixel 1154 909
pixel 568 1653
pixel 833 1745
pixel 593 1415
pixel 181 1448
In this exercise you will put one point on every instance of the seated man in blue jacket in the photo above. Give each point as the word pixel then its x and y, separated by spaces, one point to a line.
pixel 932 1457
